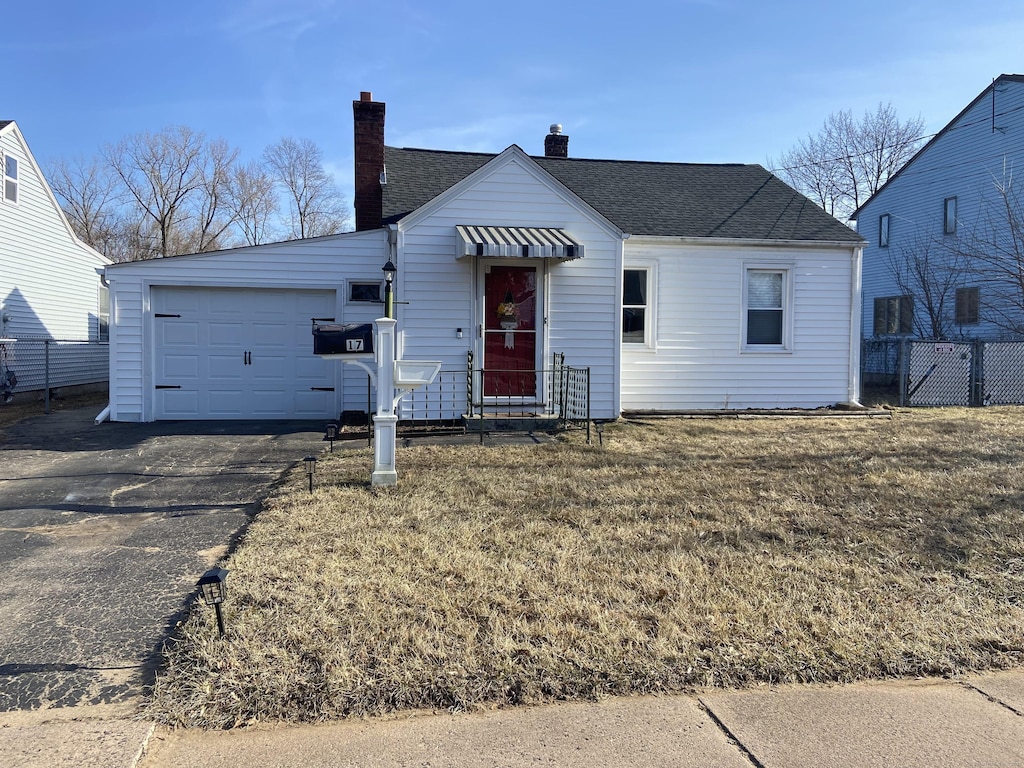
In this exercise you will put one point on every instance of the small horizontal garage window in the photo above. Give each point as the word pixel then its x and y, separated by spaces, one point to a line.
pixel 368 292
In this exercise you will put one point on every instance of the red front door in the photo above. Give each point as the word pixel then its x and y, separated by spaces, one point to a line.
pixel 510 331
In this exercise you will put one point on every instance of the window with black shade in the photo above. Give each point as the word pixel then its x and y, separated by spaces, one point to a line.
pixel 883 231
pixel 766 307
pixel 10 178
pixel 967 306
pixel 894 315
pixel 364 292
pixel 634 306
pixel 949 215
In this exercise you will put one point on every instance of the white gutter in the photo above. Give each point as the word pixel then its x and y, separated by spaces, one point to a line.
pixel 103 415
pixel 748 242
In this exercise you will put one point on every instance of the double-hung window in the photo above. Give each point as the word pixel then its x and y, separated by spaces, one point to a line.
pixel 894 315
pixel 10 165
pixel 968 305
pixel 636 306
pixel 767 311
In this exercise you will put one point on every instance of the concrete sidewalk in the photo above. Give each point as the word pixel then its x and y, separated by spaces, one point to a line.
pixel 978 721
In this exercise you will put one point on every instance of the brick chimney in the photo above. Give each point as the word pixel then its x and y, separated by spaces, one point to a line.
pixel 555 144
pixel 368 119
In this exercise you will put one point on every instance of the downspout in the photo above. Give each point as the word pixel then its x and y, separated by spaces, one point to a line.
pixel 853 396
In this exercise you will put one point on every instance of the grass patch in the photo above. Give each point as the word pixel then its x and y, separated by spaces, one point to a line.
pixel 683 553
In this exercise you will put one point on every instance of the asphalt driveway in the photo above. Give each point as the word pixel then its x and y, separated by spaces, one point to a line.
pixel 103 533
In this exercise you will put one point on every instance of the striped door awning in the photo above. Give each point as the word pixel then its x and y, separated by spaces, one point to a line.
pixel 519 242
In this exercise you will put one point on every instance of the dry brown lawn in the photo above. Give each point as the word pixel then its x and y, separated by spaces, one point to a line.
pixel 681 554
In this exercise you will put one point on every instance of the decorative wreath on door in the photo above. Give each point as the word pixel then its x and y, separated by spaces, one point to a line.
pixel 508 319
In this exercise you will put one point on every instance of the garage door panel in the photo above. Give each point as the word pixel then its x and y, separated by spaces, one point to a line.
pixel 272 334
pixel 241 353
pixel 309 405
pixel 223 334
pixel 225 366
pixel 181 404
pixel 225 403
pixel 179 367
pixel 178 333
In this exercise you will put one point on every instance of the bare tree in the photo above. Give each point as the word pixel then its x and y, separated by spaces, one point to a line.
pixel 847 161
pixel 212 211
pixel 252 201
pixel 929 272
pixel 316 205
pixel 88 194
pixel 161 171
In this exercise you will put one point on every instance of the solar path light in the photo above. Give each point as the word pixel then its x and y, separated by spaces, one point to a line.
pixel 331 433
pixel 213 589
pixel 310 462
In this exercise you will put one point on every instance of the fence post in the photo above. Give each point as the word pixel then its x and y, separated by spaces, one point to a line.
pixel 46 377
pixel 978 372
pixel 903 369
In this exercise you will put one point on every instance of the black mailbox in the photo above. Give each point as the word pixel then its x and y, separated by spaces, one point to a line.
pixel 338 339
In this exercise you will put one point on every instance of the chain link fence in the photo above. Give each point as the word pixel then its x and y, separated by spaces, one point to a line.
pixel 974 372
pixel 42 365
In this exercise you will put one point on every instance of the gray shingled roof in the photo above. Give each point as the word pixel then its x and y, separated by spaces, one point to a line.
pixel 671 199
pixel 5 123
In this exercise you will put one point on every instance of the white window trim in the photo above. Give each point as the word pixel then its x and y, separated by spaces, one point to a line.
pixel 650 342
pixel 786 347
pixel 6 179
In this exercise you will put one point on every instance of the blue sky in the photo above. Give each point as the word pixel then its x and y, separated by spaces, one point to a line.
pixel 686 81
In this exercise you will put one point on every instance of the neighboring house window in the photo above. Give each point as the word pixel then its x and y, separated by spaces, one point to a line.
pixel 894 315
pixel 967 303
pixel 766 296
pixel 10 178
pixel 103 314
pixel 364 292
pixel 883 231
pixel 635 315
pixel 949 215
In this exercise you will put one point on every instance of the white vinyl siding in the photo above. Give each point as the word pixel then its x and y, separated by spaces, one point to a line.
pixel 48 279
pixel 700 361
pixel 582 297
pixel 327 263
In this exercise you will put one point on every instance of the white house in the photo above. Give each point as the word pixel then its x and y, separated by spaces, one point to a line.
pixel 50 286
pixel 679 286
pixel 945 242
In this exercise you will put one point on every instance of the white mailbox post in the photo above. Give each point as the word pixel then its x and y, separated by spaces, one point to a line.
pixel 395 378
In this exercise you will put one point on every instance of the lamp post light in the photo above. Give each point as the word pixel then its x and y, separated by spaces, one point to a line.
pixel 213 588
pixel 331 433
pixel 389 277
pixel 310 462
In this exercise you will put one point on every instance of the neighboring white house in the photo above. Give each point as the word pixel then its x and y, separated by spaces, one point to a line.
pixel 943 223
pixel 679 286
pixel 50 285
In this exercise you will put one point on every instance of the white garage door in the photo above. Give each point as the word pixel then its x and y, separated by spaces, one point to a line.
pixel 233 353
